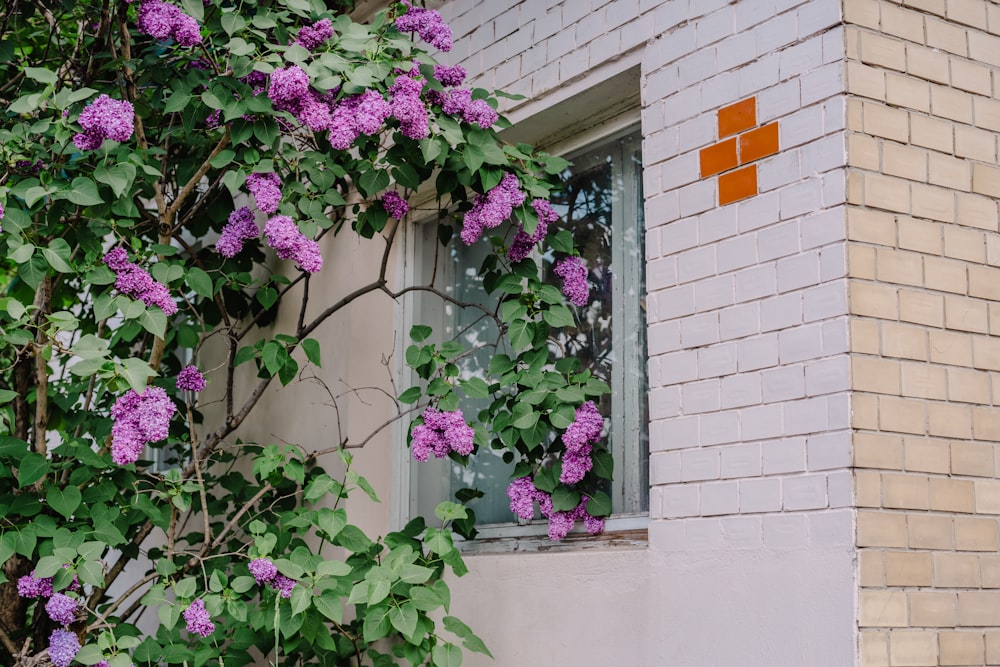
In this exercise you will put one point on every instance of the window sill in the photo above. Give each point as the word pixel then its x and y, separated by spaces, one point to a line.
pixel 621 532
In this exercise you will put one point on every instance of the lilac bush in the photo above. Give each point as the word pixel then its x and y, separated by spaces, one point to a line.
pixel 173 173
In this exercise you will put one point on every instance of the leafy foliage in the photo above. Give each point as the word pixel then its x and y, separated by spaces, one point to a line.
pixel 76 340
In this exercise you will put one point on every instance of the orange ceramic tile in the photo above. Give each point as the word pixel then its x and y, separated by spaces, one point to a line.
pixel 737 117
pixel 759 143
pixel 720 157
pixel 738 184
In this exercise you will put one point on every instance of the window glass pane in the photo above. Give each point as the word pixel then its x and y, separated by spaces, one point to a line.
pixel 601 204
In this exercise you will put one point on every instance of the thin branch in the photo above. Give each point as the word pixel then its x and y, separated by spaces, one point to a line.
pixel 171 212
pixel 8 644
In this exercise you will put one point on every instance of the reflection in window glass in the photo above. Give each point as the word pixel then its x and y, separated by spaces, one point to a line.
pixel 602 205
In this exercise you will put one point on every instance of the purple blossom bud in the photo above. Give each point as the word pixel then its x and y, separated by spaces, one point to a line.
pixel 30 586
pixel 161 21
pixel 197 620
pixel 284 236
pixel 61 608
pixel 492 209
pixel 395 205
pixel 139 418
pixel 574 275
pixel 311 37
pixel 428 24
pixel 263 570
pixel 266 191
pixel 63 647
pixel 522 497
pixel 450 76
pixel 190 379
pixel 441 433
pixel 240 228
pixel 283 585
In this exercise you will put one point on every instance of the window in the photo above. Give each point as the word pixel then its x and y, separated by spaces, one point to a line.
pixel 602 205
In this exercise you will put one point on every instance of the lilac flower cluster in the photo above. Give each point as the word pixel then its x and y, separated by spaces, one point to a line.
pixel 240 228
pixel 161 20
pixel 63 647
pixel 28 166
pixel 196 619
pixel 574 275
pixel 139 418
pixel 355 115
pixel 265 572
pixel 578 440
pixel 523 496
pixel 408 107
pixel 266 191
pixel 30 586
pixel 105 118
pixel 450 76
pixel 490 210
pixel 441 433
pixel 522 243
pixel 428 24
pixel 395 205
pixel 190 379
pixel 459 102
pixel 289 91
pixel 312 37
pixel 284 236
pixel 61 608
pixel 133 280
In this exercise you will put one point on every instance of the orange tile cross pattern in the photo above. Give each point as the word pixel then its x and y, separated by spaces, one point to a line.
pixel 731 156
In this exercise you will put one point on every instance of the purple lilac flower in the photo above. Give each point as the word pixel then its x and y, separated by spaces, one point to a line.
pixel 371 110
pixel 263 570
pixel 560 523
pixel 283 585
pixel 30 586
pixel 197 620
pixel 266 191
pixel 594 524
pixel 407 106
pixel 240 227
pixel 523 243
pixel 575 465
pixel 450 76
pixel 288 85
pixel 574 275
pixel 63 647
pixel 284 236
pixel 190 379
pixel 105 118
pixel 585 428
pixel 441 433
pixel 133 280
pixel 459 102
pixel 490 210
pixel 428 24
pixel 161 21
pixel 213 119
pixel 395 205
pixel 61 608
pixel 311 37
pixel 522 494
pixel 139 418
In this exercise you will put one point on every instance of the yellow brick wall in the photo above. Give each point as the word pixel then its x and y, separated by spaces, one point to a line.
pixel 923 119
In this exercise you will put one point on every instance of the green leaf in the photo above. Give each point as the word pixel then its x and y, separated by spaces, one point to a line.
pixel 83 192
pixel 419 333
pixel 65 501
pixel 447 655
pixel 468 637
pixel 22 254
pixel 599 505
pixel 57 255
pixel 178 101
pixel 330 606
pixel 604 464
pixel 524 417
pixel 40 74
pixel 521 333
pixel 411 395
pixel 562 241
pixel 91 654
pixel 200 282
pixel 90 572
pixel 475 388
pixel 449 511
pixel 33 467
pixel 311 347
pixel 154 321
pixel 558 316
pixel 564 500
pixel 404 618
pixel 352 539
pixel 137 372
pixel 233 22
pixel 186 587
pixel 301 599
pixel 373 181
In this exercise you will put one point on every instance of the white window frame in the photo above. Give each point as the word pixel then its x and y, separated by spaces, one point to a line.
pixel 631 482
